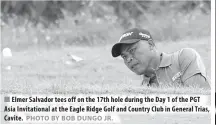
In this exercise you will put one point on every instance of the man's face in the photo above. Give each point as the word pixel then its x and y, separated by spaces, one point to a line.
pixel 137 57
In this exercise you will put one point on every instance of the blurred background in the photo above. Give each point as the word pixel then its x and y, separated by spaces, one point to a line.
pixel 44 36
pixel 55 24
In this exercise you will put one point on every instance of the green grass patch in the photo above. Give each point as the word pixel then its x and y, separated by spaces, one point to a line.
pixel 44 71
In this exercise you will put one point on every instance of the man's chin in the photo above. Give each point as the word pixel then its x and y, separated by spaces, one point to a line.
pixel 138 73
pixel 149 74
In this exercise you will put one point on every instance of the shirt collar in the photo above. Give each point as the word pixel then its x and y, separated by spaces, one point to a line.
pixel 166 60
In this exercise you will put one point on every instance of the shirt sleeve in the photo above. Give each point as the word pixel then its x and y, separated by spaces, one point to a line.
pixel 192 68
pixel 197 81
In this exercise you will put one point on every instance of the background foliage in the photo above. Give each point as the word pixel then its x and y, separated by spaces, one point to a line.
pixel 60 23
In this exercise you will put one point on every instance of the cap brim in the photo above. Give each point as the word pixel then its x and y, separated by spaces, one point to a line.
pixel 116 49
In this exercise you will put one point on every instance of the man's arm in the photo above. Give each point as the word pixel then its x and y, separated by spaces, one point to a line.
pixel 197 81
pixel 192 69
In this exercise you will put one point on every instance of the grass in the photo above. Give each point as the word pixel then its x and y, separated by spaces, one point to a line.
pixel 41 71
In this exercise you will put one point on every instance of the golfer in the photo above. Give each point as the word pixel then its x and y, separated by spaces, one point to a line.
pixel 140 55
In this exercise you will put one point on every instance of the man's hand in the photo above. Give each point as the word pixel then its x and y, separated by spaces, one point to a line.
pixel 145 80
pixel 152 82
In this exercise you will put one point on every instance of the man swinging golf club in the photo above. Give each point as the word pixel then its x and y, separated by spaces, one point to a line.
pixel 140 55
